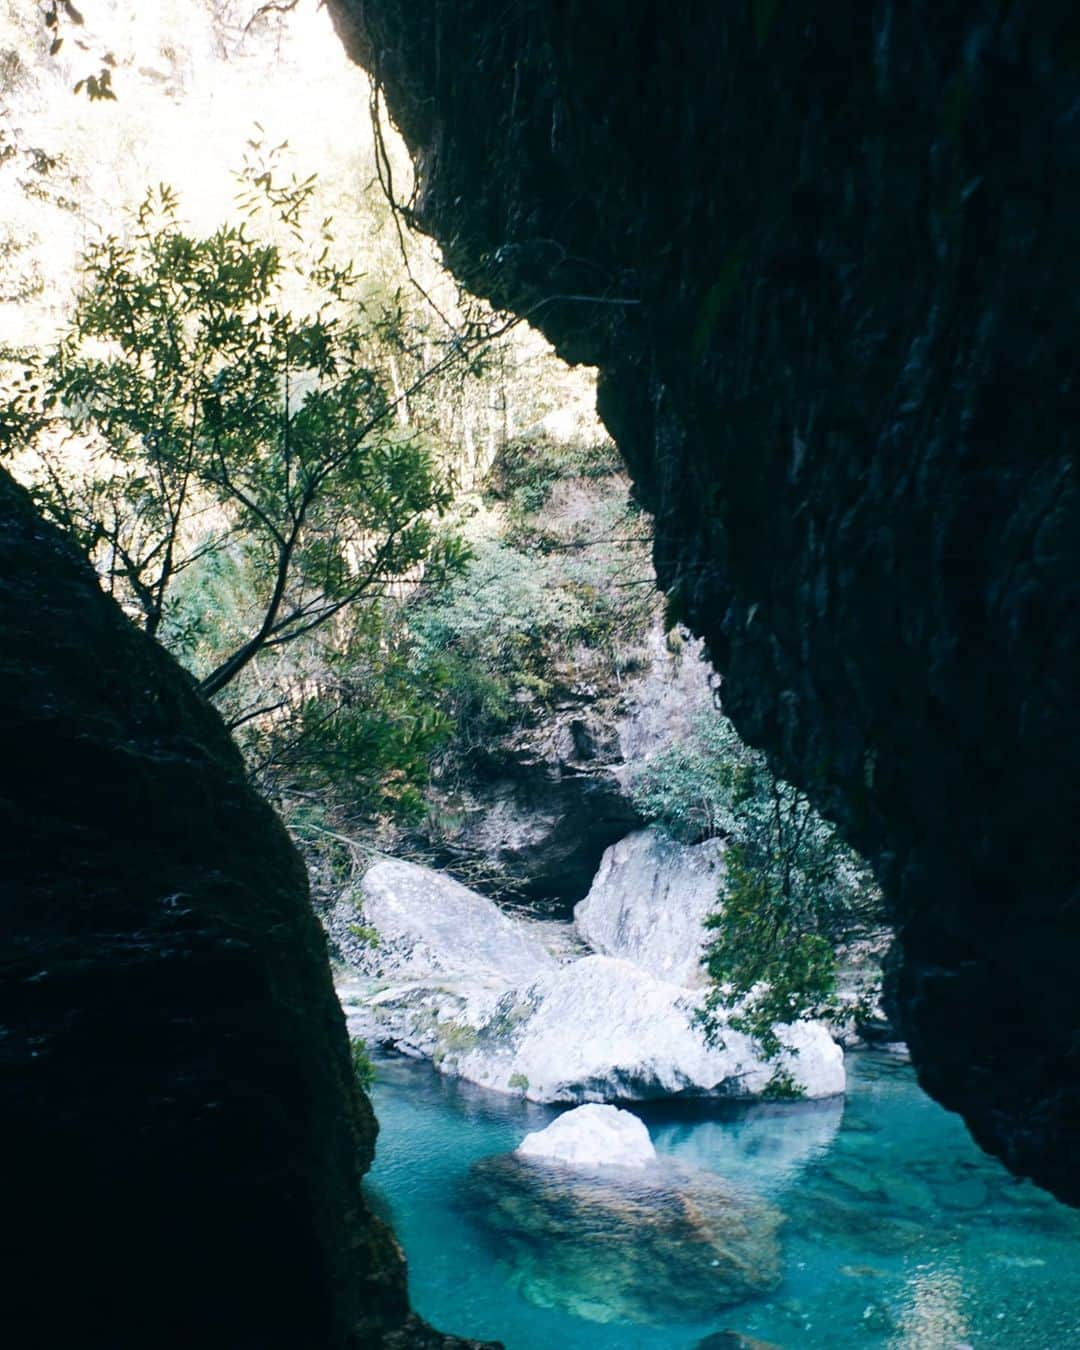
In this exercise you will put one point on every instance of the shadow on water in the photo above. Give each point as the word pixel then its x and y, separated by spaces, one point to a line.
pixel 894 1230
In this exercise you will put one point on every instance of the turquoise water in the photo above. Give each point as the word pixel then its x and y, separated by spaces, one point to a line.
pixel 898 1232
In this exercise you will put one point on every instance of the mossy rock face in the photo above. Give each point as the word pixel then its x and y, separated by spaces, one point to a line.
pixel 178 1082
pixel 617 1244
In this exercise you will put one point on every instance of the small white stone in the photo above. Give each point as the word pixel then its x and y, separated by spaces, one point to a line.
pixel 592 1136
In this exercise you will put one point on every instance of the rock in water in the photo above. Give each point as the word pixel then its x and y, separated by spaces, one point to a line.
pixel 455 979
pixel 603 1029
pixel 592 1136
pixel 648 904
pixel 654 1247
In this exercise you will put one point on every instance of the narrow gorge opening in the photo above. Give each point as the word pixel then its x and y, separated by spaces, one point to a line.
pixel 609 974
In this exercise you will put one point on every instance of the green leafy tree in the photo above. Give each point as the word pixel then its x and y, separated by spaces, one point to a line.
pixel 546 595
pixel 792 890
pixel 244 478
pixel 217 421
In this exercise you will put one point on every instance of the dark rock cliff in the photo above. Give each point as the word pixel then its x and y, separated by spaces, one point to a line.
pixel 825 257
pixel 185 1140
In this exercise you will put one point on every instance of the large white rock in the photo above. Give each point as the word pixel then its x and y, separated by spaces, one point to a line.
pixel 592 1136
pixel 648 904
pixel 430 924
pixel 603 1029
pixel 440 960
pixel 454 979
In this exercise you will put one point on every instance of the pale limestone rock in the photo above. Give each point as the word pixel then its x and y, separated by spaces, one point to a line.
pixel 442 959
pixel 649 901
pixel 592 1136
pixel 454 979
pixel 602 1029
pixel 430 924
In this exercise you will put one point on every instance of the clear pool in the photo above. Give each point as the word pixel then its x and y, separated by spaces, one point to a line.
pixel 898 1232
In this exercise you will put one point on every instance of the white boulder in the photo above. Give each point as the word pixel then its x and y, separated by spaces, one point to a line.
pixel 427 924
pixel 602 1029
pixel 432 961
pixel 649 901
pixel 441 972
pixel 592 1136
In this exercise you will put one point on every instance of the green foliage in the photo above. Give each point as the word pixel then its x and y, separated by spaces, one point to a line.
pixel 792 888
pixel 98 88
pixel 518 1080
pixel 246 486
pixel 697 788
pixel 362 1064
pixel 454 1038
pixel 219 421
pixel 770 962
pixel 359 723
pixel 782 1087
pixel 538 602
pixel 528 468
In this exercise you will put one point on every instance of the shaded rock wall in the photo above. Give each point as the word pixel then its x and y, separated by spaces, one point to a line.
pixel 551 797
pixel 825 258
pixel 185 1140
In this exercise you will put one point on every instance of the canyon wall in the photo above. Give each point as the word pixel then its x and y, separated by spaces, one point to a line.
pixel 824 257
pixel 185 1136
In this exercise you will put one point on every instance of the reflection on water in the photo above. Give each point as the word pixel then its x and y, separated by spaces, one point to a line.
pixel 898 1233
pixel 932 1302
pixel 764 1145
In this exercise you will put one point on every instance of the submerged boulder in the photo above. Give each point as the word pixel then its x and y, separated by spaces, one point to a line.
pixel 592 1136
pixel 653 1246
pixel 649 901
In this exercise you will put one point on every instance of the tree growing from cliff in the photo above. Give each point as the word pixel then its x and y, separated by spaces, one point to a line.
pixel 241 475
pixel 792 892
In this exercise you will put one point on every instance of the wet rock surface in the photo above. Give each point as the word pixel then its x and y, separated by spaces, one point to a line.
pixel 186 1137
pixel 826 263
pixel 618 1244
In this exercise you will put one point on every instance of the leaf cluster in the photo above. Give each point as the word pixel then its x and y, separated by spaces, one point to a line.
pixel 218 421
pixel 792 891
